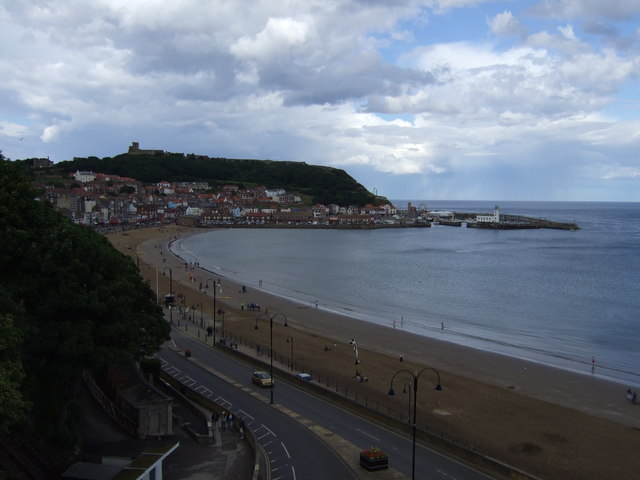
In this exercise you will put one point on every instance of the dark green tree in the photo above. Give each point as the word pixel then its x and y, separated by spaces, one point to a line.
pixel 85 305
pixel 12 404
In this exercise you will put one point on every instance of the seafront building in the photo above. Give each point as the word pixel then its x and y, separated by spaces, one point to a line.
pixel 492 218
pixel 98 199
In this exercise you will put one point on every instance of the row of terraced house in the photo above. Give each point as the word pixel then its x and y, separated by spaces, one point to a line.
pixel 99 199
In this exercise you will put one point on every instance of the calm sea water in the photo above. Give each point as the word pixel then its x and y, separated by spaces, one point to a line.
pixel 552 296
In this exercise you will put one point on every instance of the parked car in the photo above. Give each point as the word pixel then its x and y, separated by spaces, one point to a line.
pixel 262 379
pixel 305 376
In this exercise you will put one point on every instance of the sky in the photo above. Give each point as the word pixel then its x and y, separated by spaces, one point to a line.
pixel 415 99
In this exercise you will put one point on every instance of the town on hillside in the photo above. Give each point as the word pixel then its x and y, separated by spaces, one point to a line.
pixel 104 201
pixel 98 200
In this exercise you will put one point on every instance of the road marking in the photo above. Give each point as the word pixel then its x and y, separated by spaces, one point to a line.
pixel 444 474
pixel 264 426
pixel 285 450
pixel 202 388
pixel 189 381
pixel 244 415
pixel 368 435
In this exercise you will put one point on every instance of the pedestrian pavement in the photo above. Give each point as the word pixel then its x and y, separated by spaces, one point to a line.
pixel 227 456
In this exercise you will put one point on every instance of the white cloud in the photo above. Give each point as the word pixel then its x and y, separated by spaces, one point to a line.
pixel 11 129
pixel 51 133
pixel 316 80
pixel 624 172
pixel 567 9
pixel 506 24
pixel 278 36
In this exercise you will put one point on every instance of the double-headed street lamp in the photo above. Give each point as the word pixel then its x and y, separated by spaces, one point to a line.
pixel 215 285
pixel 271 318
pixel 415 377
pixel 290 340
pixel 170 297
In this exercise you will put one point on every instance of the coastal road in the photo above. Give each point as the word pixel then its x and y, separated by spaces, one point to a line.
pixel 293 449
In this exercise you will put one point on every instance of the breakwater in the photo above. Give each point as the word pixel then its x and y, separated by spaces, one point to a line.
pixel 513 222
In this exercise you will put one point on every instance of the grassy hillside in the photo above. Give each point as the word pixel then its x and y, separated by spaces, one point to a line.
pixel 320 184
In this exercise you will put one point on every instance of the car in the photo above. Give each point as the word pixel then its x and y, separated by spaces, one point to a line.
pixel 262 379
pixel 305 376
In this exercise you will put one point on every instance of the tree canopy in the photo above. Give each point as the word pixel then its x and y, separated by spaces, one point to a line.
pixel 322 184
pixel 68 301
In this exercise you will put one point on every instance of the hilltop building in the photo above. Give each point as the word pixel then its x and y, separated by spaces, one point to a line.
pixel 135 149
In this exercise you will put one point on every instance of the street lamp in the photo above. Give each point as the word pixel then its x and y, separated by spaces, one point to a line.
pixel 271 318
pixel 290 340
pixel 415 377
pixel 222 312
pixel 215 284
pixel 407 389
pixel 171 298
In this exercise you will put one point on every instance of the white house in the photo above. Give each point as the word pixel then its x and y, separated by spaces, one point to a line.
pixel 193 211
pixel 495 218
pixel 84 177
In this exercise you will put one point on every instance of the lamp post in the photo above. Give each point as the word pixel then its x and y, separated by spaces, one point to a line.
pixel 170 293
pixel 290 340
pixel 405 389
pixel 215 284
pixel 222 312
pixel 271 318
pixel 415 377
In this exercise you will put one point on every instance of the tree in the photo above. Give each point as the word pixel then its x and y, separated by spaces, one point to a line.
pixel 85 305
pixel 12 404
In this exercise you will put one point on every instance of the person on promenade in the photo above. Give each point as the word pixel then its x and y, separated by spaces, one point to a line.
pixel 214 420
pixel 230 421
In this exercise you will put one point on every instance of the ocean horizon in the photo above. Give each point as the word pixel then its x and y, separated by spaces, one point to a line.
pixel 556 297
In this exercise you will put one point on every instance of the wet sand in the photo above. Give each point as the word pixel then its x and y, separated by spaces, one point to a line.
pixel 546 421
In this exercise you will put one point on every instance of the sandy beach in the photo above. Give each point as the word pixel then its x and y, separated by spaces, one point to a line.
pixel 548 422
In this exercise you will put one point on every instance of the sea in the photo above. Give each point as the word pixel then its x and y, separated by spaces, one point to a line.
pixel 569 299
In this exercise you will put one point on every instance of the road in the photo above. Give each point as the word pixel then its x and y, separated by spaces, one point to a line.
pixel 293 448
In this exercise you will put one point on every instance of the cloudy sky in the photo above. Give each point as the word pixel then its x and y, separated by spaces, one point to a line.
pixel 416 99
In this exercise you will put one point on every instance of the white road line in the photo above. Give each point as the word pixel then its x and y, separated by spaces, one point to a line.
pixel 244 415
pixel 444 474
pixel 187 380
pixel 202 388
pixel 368 435
pixel 264 426
pixel 285 450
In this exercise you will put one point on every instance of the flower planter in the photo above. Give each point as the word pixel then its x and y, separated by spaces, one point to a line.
pixel 374 460
pixel 187 353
